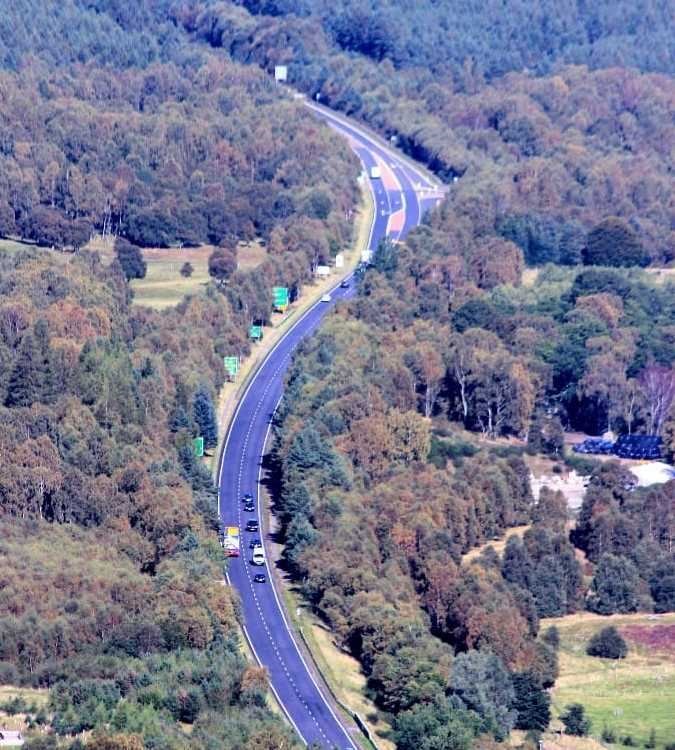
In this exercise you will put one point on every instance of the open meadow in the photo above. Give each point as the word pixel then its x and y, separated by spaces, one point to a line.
pixel 630 696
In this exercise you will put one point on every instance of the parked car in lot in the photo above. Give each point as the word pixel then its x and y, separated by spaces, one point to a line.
pixel 252 526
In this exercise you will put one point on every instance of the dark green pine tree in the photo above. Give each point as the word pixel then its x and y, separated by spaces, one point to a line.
pixel 535 436
pixel 517 565
pixel 532 702
pixel 205 417
pixel 25 382
pixel 575 721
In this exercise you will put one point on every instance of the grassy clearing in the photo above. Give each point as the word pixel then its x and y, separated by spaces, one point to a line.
pixel 163 285
pixel 250 255
pixel 39 696
pixel 14 246
pixel 631 696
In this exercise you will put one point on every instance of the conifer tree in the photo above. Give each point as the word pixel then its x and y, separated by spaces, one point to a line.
pixel 205 416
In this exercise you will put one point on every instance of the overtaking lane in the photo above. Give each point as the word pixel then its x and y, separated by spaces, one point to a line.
pixel 266 628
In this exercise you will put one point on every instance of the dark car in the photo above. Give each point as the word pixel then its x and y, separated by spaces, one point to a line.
pixel 247 498
pixel 249 507
pixel 255 542
pixel 252 526
pixel 260 578
pixel 344 284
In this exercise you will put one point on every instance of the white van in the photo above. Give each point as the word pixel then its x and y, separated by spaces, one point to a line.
pixel 258 555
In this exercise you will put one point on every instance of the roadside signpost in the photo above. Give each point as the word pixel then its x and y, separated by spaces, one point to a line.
pixel 231 366
pixel 198 445
pixel 255 333
pixel 280 298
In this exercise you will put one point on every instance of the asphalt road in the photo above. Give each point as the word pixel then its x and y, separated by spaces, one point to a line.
pixel 401 196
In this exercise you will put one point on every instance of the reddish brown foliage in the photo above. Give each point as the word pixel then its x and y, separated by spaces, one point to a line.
pixel 659 638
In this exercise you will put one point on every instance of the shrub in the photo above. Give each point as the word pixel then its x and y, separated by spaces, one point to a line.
pixel 608 735
pixel 575 721
pixel 607 644
pixel 552 637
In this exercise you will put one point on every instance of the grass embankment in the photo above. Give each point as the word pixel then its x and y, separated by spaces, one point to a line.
pixel 13 246
pixel 341 671
pixel 631 696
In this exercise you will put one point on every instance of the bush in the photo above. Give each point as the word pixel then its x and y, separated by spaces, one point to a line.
pixel 628 741
pixel 608 735
pixel 186 270
pixel 552 637
pixel 575 721
pixel 607 644
pixel 130 258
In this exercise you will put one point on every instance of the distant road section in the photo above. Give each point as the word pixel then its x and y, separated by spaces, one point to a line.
pixel 402 194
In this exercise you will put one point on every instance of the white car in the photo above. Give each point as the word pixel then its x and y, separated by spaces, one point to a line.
pixel 325 298
pixel 258 555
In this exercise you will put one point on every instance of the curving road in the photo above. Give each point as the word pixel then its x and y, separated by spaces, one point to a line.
pixel 401 196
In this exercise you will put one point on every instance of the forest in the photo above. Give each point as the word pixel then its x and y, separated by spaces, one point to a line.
pixel 188 149
pixel 540 160
pixel 527 304
pixel 382 490
pixel 110 562
pixel 110 567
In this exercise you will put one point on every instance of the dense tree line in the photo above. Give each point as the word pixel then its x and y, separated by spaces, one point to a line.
pixel 176 152
pixel 110 565
pixel 448 37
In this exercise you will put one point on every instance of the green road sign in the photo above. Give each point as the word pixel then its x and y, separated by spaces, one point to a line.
pixel 280 297
pixel 198 445
pixel 231 366
pixel 255 333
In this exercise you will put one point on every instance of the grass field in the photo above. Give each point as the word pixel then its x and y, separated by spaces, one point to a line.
pixel 163 286
pixel 11 246
pixel 630 696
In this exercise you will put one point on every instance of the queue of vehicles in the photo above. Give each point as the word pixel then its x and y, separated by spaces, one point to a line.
pixel 231 543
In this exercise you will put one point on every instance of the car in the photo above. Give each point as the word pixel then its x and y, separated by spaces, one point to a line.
pixel 344 284
pixel 255 542
pixel 249 507
pixel 252 526
pixel 259 578
pixel 247 498
pixel 325 298
pixel 258 557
